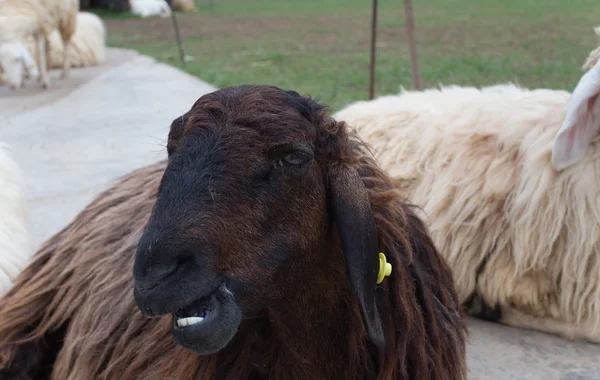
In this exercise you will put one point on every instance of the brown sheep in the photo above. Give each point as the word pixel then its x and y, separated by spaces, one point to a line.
pixel 264 226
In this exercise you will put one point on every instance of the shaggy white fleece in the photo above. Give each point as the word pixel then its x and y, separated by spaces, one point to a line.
pixel 15 248
pixel 508 180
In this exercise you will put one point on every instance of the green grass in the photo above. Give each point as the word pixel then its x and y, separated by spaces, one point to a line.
pixel 321 47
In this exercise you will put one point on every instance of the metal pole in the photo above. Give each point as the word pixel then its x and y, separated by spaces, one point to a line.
pixel 373 42
pixel 178 38
pixel 412 46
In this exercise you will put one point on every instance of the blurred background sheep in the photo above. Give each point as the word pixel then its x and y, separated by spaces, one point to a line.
pixel 29 20
pixel 87 44
pixel 149 8
pixel 22 19
pixel 184 5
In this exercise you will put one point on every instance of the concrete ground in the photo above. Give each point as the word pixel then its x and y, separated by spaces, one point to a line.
pixel 105 121
pixel 75 138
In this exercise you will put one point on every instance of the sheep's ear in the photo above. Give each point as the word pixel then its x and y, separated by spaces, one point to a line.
pixel 350 207
pixel 581 123
pixel 175 133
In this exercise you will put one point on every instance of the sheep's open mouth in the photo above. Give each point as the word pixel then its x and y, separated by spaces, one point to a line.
pixel 208 324
pixel 193 314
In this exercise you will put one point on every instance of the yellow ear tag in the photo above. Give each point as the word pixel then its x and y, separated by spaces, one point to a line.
pixel 385 268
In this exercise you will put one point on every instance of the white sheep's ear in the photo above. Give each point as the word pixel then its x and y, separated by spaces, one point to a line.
pixel 581 123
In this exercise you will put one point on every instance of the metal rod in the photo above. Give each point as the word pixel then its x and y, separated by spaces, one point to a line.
pixel 178 37
pixel 373 43
pixel 412 46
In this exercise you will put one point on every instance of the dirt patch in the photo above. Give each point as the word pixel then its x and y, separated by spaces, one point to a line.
pixel 242 27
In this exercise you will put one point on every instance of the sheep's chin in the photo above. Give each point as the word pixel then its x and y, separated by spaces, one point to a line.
pixel 207 325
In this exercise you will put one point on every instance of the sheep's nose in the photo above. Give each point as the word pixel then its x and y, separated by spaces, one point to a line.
pixel 152 276
pixel 153 263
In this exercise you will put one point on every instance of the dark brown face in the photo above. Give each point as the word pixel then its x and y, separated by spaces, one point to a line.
pixel 256 179
pixel 241 202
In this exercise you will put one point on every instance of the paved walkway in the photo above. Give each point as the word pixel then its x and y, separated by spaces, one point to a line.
pixel 73 140
pixel 77 137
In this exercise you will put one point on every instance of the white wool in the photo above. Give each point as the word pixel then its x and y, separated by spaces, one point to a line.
pixel 88 43
pixel 515 231
pixel 15 249
pixel 19 18
pixel 149 8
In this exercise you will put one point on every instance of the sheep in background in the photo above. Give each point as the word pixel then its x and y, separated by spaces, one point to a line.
pixel 266 222
pixel 508 180
pixel 87 44
pixel 20 19
pixel 149 8
pixel 184 5
pixel 15 249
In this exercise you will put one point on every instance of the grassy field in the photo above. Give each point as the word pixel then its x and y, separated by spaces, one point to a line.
pixel 321 47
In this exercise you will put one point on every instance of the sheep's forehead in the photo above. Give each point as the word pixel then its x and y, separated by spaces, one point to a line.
pixel 240 137
pixel 248 117
pixel 253 124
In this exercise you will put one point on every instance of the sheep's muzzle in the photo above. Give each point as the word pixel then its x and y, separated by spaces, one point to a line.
pixel 208 324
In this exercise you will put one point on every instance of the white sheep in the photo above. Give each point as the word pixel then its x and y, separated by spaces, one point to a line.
pixel 20 19
pixel 149 8
pixel 87 43
pixel 508 181
pixel 15 248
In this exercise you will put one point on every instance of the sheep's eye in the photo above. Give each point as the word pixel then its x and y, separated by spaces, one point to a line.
pixel 296 158
pixel 295 154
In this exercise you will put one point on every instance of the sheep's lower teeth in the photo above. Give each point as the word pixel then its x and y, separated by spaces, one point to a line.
pixel 182 322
